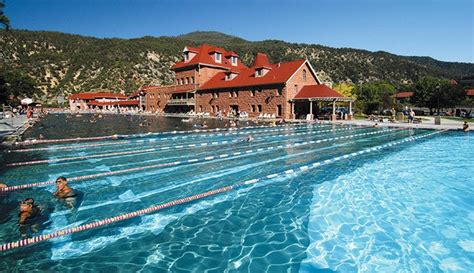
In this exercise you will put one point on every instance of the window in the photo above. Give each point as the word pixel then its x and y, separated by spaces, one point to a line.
pixel 200 108
pixel 235 94
pixel 228 77
pixel 260 108
pixel 279 110
pixel 234 60
pixel 296 88
pixel 279 91
pixel 252 93
pixel 186 80
pixel 192 79
pixel 304 75
pixel 186 56
pixel 218 57
pixel 213 109
pixel 253 108
pixel 215 95
pixel 217 108
pixel 259 72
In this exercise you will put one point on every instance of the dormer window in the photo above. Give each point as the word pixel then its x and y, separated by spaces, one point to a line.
pixel 186 56
pixel 234 60
pixel 230 75
pixel 259 72
pixel 218 57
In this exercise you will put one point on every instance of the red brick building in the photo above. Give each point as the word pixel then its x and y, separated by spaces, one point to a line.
pixel 210 79
pixel 101 101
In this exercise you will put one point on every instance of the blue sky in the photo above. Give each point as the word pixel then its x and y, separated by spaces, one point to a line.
pixel 442 29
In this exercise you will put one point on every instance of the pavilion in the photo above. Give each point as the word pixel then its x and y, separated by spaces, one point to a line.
pixel 321 93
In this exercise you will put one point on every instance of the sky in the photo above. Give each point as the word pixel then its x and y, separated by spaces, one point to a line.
pixel 442 29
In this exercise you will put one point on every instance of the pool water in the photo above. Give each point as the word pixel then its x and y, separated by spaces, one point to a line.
pixel 406 207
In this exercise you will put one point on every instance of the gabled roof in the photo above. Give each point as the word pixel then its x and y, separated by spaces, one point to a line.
pixel 205 57
pixel 190 49
pixel 96 95
pixel 279 74
pixel 261 60
pixel 317 91
pixel 402 95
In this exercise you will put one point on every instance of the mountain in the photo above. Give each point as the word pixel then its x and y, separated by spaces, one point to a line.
pixel 62 64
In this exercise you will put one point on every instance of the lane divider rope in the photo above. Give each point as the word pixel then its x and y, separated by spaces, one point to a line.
pixel 152 209
pixel 194 160
pixel 112 137
pixel 157 149
pixel 154 140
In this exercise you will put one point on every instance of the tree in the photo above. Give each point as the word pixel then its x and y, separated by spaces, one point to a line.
pixel 3 18
pixel 346 89
pixel 14 86
pixel 373 97
pixel 428 92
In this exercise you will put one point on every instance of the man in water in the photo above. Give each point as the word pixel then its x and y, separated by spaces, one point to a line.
pixel 2 186
pixel 465 126
pixel 28 212
pixel 64 192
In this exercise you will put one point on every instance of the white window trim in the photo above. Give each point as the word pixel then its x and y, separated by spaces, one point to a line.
pixel 217 54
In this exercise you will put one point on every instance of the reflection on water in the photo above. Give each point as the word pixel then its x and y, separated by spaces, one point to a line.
pixel 88 125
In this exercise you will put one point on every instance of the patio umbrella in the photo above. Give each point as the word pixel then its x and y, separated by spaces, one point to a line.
pixel 26 101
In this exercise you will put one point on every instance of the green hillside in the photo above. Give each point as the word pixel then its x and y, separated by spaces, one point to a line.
pixel 61 63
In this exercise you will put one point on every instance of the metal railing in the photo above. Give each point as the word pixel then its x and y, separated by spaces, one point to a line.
pixel 189 101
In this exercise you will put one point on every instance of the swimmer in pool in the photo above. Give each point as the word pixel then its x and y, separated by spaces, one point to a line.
pixel 64 192
pixel 29 212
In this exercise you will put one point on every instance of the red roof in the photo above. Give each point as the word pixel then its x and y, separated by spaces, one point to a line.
pixel 279 73
pixel 205 56
pixel 119 102
pixel 470 92
pixel 401 95
pixel 97 95
pixel 261 60
pixel 317 91
pixel 191 49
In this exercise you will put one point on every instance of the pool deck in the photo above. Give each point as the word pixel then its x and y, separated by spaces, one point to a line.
pixel 427 123
pixel 12 128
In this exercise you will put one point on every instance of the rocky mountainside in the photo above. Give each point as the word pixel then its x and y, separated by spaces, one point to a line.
pixel 62 64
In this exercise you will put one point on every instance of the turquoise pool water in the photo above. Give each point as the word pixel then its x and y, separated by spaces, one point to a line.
pixel 406 207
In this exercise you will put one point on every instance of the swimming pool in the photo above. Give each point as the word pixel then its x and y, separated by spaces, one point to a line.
pixel 317 197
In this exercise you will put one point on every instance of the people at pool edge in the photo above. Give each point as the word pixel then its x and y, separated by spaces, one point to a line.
pixel 64 192
pixel 465 126
pixel 411 116
pixel 28 212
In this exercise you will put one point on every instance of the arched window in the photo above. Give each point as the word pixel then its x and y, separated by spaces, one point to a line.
pixel 304 75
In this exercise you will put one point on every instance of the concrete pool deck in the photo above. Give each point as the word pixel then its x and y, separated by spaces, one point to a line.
pixel 427 123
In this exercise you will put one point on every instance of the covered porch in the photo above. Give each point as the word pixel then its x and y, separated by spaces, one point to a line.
pixel 321 102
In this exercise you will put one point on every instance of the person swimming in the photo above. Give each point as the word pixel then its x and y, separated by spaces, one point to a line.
pixel 29 211
pixel 64 192
pixel 465 126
